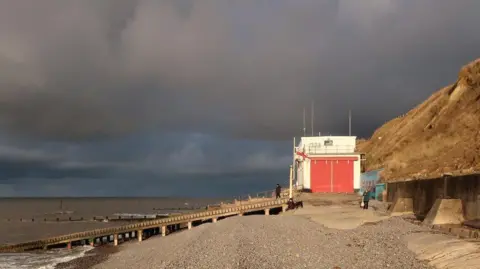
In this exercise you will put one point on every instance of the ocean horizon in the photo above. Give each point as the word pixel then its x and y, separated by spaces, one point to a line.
pixel 107 198
pixel 192 186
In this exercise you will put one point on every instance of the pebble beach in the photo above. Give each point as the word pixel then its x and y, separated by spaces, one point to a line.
pixel 280 241
pixel 91 258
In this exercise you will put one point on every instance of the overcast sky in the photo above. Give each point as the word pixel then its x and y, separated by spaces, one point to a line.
pixel 97 97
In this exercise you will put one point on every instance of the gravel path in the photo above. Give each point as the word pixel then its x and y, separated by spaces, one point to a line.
pixel 273 242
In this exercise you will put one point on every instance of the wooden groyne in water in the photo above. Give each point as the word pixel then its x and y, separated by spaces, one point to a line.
pixel 140 229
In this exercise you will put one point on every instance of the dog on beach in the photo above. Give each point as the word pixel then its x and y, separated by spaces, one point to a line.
pixel 299 204
pixel 294 205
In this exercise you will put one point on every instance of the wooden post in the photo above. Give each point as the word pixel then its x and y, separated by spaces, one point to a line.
pixel 164 230
pixel 445 186
pixel 294 155
pixel 69 245
pixel 240 214
pixel 267 211
pixel 139 235
pixel 115 239
pixel 214 220
pixel 189 225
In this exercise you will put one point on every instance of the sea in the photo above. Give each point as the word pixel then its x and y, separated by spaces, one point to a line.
pixel 41 260
pixel 25 219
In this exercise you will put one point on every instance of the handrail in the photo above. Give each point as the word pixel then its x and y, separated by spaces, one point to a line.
pixel 262 194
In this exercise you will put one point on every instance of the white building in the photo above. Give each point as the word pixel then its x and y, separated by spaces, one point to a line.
pixel 327 164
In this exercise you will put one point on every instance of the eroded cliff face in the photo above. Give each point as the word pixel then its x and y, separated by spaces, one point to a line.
pixel 441 135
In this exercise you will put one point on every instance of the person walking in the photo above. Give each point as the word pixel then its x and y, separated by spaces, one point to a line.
pixel 278 191
pixel 366 198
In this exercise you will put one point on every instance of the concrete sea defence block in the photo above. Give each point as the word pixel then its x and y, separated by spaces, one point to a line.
pixel 445 211
pixel 402 206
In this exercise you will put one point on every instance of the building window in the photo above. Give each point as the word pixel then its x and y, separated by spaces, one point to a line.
pixel 328 142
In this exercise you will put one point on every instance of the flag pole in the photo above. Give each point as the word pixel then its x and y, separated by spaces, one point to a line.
pixel 290 194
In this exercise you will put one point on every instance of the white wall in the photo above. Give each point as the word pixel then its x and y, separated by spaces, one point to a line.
pixel 300 175
pixel 357 173
pixel 303 174
pixel 306 174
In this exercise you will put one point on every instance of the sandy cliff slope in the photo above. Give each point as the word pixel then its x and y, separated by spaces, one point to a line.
pixel 441 135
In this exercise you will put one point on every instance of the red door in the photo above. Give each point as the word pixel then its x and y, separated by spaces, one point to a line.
pixel 320 174
pixel 342 176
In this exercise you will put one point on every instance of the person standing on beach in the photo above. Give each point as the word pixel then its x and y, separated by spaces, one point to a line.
pixel 278 190
pixel 366 198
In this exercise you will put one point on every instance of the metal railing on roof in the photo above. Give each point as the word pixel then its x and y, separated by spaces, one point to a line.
pixel 314 149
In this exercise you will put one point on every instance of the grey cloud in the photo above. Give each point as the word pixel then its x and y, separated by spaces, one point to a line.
pixel 91 69
pixel 17 163
pixel 197 155
pixel 194 155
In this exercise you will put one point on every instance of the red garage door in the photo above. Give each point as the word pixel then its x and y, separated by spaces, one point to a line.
pixel 320 175
pixel 342 176
pixel 332 174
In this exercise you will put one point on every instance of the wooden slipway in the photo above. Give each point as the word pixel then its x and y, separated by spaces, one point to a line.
pixel 150 227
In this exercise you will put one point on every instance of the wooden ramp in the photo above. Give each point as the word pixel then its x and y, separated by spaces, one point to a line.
pixel 159 224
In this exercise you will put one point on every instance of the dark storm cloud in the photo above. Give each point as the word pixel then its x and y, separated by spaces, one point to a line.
pixel 148 157
pixel 88 69
pixel 223 186
pixel 17 163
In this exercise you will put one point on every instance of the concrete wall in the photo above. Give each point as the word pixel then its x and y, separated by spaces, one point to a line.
pixel 425 192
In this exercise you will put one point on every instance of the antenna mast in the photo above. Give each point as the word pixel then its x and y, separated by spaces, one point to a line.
pixel 349 122
pixel 304 128
pixel 312 117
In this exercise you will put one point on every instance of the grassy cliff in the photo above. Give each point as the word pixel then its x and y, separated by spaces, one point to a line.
pixel 441 135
